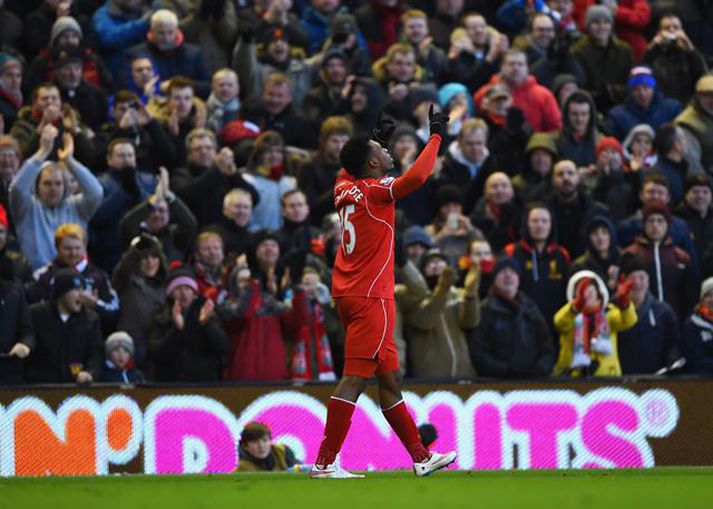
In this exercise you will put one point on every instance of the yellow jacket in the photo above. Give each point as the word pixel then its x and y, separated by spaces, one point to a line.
pixel 618 320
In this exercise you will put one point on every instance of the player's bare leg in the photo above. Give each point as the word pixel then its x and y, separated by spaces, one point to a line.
pixel 395 412
pixel 339 417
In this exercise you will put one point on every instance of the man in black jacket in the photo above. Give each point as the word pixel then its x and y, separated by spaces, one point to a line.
pixel 237 214
pixel 17 338
pixel 69 346
pixel 512 339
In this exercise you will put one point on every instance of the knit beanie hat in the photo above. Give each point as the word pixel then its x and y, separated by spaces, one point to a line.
pixel 417 235
pixel 657 207
pixel 609 142
pixel 641 75
pixel 706 286
pixel 505 262
pixel 8 60
pixel 181 276
pixel 422 94
pixel 117 339
pixel 597 13
pixel 66 280
pixel 63 24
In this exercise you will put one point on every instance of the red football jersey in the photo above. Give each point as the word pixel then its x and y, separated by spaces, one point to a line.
pixel 364 266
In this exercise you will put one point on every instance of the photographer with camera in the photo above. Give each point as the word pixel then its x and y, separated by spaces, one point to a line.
pixel 675 62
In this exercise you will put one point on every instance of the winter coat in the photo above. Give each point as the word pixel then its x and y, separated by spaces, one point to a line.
pixel 317 27
pixel 699 123
pixel 280 459
pixel 468 176
pixel 236 238
pixel 617 191
pixel 633 226
pixel 193 354
pixel 316 180
pixel 89 101
pixel 591 260
pixel 697 344
pixel 624 117
pixel 60 345
pixel 676 173
pixel 653 342
pixel 176 237
pixel 153 144
pixel 536 102
pixel 10 28
pixel 257 324
pixel 606 69
pixel 202 190
pixel 701 228
pixel 116 31
pixel 512 340
pixel 112 375
pixel 43 68
pixel 676 70
pixel 294 127
pixel 9 109
pixel 543 274
pixel 436 325
pixel 36 224
pixel 15 327
pixel 499 231
pixel 570 146
pixel 569 218
pixel 673 278
pixel 95 279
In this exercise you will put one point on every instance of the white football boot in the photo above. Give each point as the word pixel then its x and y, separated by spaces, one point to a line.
pixel 437 461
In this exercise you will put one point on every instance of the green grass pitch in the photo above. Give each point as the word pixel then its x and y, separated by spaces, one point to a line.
pixel 669 488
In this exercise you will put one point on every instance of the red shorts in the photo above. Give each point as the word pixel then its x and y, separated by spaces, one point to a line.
pixel 369 326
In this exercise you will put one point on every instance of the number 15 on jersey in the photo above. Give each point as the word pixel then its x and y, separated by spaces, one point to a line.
pixel 348 231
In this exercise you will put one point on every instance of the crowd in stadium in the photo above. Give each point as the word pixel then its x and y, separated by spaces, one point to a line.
pixel 167 172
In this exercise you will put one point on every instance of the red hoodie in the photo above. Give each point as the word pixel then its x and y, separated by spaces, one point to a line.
pixel 536 102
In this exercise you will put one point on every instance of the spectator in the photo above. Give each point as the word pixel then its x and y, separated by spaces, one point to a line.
pixel 186 341
pixel 68 342
pixel 577 141
pixel 497 214
pixel 140 280
pixel 234 227
pixel 266 15
pixel 612 183
pixel 675 61
pixel 379 22
pixel 180 114
pixel 39 22
pixel 589 324
pixel 545 262
pixel 602 253
pixel 695 209
pixel 670 269
pixel 606 60
pixel 533 183
pixel 11 27
pixel 17 338
pixel 638 148
pixel 457 102
pixel 513 15
pixel 14 267
pixel 317 175
pixel 170 55
pixel 451 230
pixel 125 186
pixel 437 323
pixel 644 104
pixel 10 158
pixel 565 85
pixel 141 78
pixel 275 110
pixel 119 364
pixel 40 202
pixel 209 266
pixel 672 149
pixel 223 105
pixel 258 453
pixel 467 163
pixel 536 102
pixel 267 171
pixel 119 24
pixel 480 254
pixel 67 34
pixel 70 240
pixel 273 55
pixel 10 90
pixel 297 234
pixel 631 18
pixel 316 20
pixel 697 121
pixel 47 108
pixel 571 208
pixel 445 17
pixel 257 350
pixel 398 73
pixel 311 353
pixel 325 97
pixel 364 100
pixel 414 31
pixel 512 339
pixel 164 216
pixel 416 242
pixel 697 332
pixel 557 59
pixel 538 39
pixel 653 343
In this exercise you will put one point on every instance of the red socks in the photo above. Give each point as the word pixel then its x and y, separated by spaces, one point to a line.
pixel 401 422
pixel 339 418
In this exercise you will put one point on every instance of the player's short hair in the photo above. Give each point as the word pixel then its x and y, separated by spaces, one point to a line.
pixel 355 154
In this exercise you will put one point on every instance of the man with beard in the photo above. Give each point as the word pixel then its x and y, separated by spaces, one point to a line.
pixel 570 207
pixel 68 342
pixel 208 266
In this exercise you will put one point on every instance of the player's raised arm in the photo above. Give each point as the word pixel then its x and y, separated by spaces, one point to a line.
pixel 422 167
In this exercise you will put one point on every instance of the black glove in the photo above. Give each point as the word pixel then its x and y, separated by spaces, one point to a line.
pixel 383 130
pixel 437 122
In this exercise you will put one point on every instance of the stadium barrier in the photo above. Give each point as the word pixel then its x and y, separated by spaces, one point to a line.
pixel 550 425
